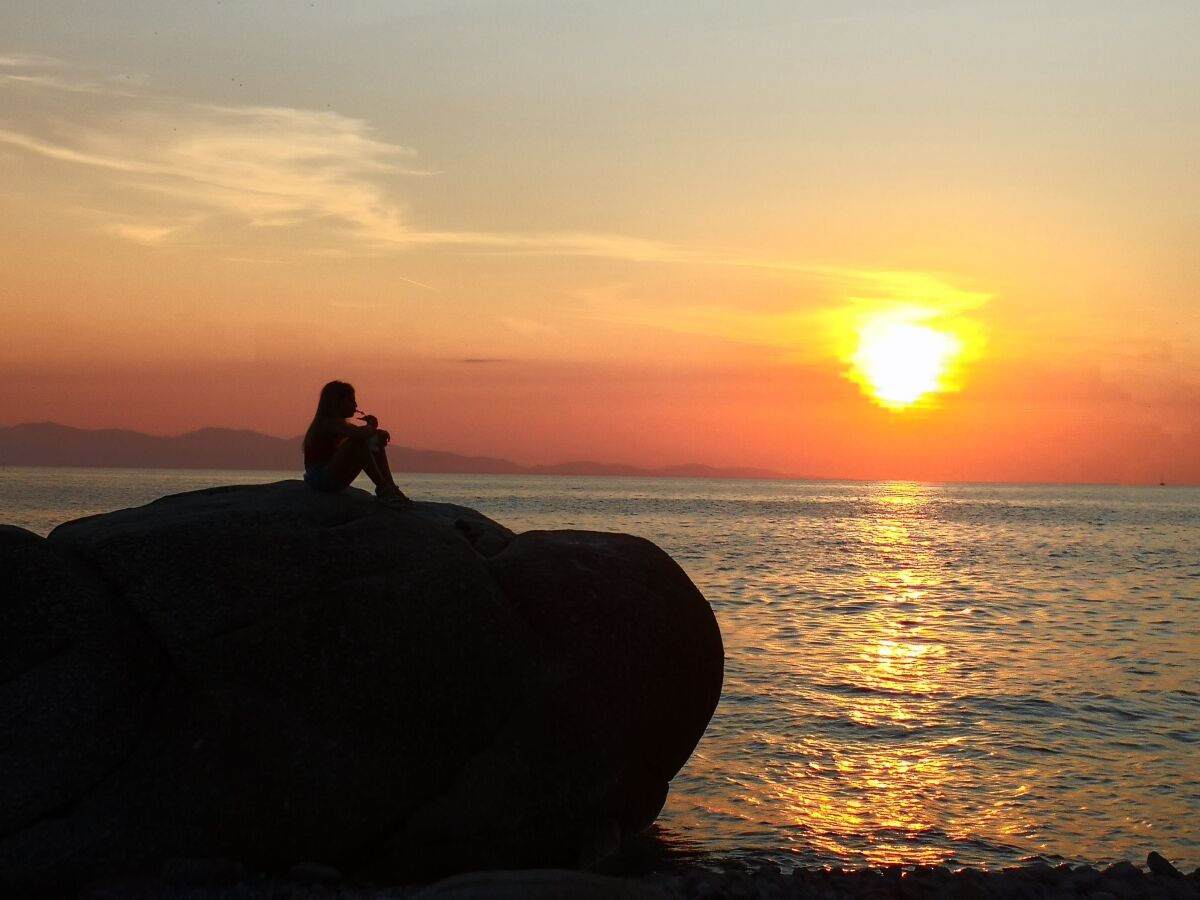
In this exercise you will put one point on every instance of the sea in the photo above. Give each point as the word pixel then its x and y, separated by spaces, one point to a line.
pixel 960 674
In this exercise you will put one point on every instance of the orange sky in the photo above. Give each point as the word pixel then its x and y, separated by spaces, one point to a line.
pixel 555 231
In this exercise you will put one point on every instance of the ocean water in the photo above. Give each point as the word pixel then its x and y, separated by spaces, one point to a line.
pixel 917 673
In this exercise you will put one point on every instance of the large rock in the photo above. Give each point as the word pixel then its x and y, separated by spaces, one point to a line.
pixel 271 675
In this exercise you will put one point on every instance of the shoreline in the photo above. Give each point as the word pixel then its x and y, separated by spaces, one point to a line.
pixel 227 880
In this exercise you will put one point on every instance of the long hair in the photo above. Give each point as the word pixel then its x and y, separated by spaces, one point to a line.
pixel 328 405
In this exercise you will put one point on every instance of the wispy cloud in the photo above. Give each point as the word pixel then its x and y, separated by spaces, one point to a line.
pixel 142 234
pixel 217 166
pixel 265 166
pixel 821 314
pixel 261 165
pixel 53 82
pixel 333 175
pixel 27 61
pixel 38 72
pixel 253 260
pixel 66 153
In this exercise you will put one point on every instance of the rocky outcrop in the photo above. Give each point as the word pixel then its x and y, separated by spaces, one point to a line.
pixel 270 675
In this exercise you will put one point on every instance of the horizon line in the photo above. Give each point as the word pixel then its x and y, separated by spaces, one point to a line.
pixel 662 471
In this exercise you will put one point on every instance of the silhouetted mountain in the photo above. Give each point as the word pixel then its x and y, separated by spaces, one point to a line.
pixel 51 444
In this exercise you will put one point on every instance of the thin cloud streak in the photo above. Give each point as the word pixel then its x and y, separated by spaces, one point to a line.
pixel 276 167
pixel 141 234
pixel 272 166
pixel 279 167
pixel 35 77
pixel 829 311
pixel 27 61
pixel 265 165
pixel 70 87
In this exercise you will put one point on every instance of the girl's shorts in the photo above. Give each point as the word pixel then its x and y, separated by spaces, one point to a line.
pixel 316 477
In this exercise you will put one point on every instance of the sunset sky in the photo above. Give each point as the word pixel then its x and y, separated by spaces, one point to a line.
pixel 651 233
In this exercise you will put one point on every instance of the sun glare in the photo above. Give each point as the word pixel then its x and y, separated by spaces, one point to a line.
pixel 900 363
pixel 908 340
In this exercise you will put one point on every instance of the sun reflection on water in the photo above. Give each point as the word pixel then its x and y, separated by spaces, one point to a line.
pixel 878 794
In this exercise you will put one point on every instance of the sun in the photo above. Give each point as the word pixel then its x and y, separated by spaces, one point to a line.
pixel 900 363
pixel 909 339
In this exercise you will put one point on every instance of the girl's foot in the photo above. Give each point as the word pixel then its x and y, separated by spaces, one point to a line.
pixel 392 496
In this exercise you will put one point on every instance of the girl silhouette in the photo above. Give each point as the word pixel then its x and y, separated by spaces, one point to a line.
pixel 336 451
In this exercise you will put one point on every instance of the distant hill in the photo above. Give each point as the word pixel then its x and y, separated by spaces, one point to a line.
pixel 51 444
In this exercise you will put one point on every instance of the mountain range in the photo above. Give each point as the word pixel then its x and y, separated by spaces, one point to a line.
pixel 52 444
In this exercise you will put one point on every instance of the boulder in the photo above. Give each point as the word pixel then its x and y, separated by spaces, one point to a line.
pixel 269 675
pixel 538 884
pixel 74 696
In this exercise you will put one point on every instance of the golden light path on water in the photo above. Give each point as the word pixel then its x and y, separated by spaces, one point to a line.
pixel 898 663
pixel 899 659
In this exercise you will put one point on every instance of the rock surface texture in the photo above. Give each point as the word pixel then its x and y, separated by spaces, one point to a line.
pixel 269 675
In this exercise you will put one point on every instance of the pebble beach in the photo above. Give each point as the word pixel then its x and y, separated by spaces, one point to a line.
pixel 223 880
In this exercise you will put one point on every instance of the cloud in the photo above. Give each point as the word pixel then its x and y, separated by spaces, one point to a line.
pixel 142 234
pixel 574 244
pixel 818 322
pixel 53 82
pixel 335 183
pixel 265 167
pixel 27 61
pixel 32 74
pixel 930 291
pixel 262 166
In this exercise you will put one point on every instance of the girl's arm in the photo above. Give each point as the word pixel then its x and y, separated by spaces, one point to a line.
pixel 342 428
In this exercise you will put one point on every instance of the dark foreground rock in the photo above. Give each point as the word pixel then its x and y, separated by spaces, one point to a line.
pixel 275 677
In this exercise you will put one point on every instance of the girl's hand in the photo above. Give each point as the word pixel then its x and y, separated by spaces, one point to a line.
pixel 387 438
pixel 371 421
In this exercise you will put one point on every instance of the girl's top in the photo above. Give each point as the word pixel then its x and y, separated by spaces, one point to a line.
pixel 321 446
